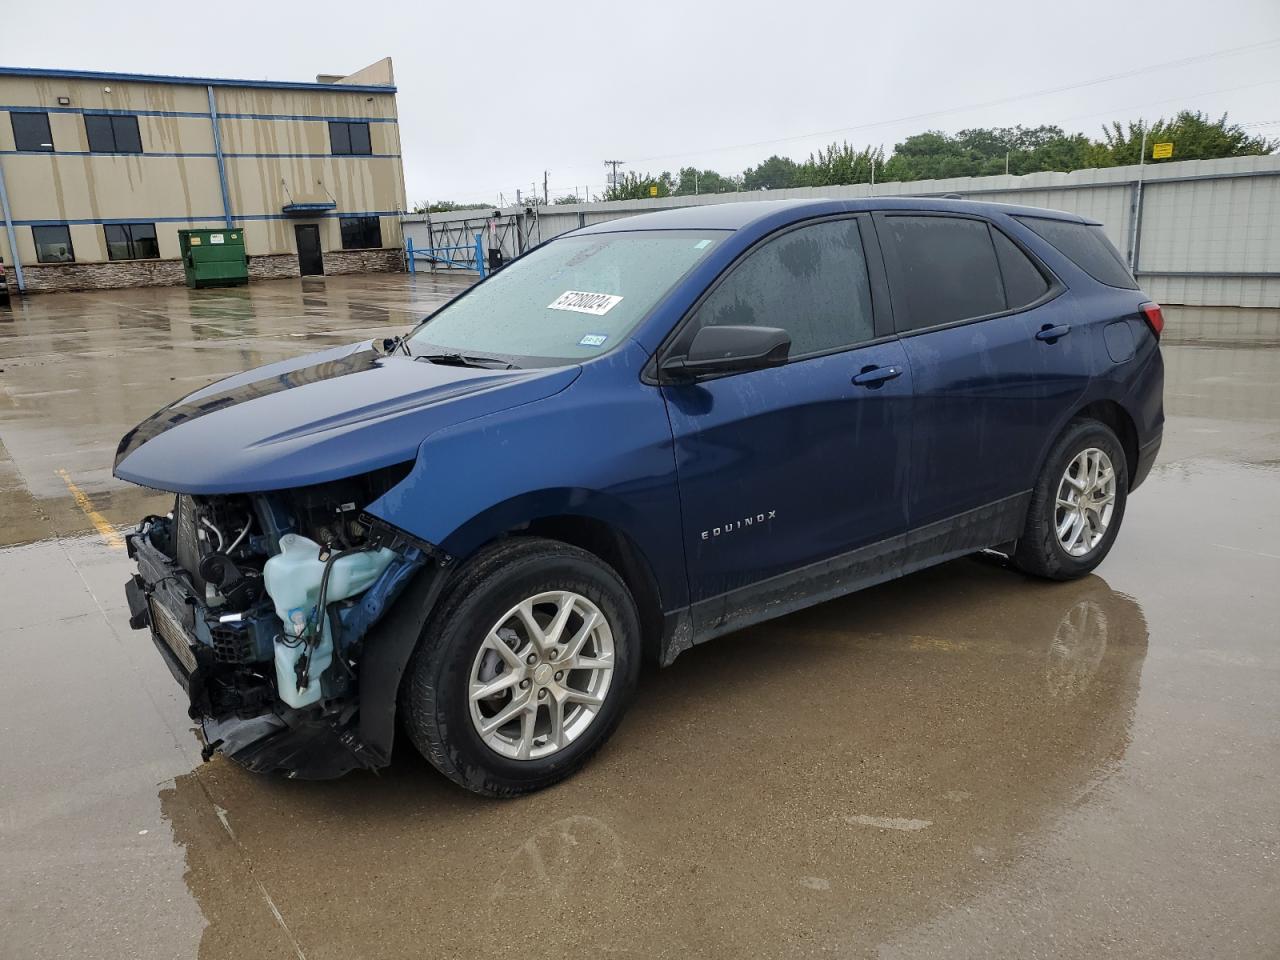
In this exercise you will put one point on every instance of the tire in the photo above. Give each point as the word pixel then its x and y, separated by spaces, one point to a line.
pixel 1040 551
pixel 460 643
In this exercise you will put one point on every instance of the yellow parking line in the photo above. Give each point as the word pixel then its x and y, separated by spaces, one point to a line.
pixel 105 530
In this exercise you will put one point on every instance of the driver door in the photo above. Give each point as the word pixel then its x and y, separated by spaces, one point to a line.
pixel 793 479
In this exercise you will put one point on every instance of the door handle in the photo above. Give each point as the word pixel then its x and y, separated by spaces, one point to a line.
pixel 1050 333
pixel 875 376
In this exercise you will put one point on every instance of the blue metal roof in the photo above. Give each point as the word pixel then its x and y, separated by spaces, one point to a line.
pixel 316 206
pixel 53 74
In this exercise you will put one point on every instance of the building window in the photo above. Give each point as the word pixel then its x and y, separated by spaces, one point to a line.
pixel 31 132
pixel 349 138
pixel 53 244
pixel 361 233
pixel 112 134
pixel 131 241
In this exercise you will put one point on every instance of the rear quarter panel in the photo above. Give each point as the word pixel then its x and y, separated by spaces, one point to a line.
pixel 1136 383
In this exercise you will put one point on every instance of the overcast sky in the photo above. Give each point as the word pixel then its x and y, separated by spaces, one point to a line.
pixel 491 94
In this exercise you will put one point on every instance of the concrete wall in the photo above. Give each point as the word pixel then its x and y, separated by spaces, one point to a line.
pixel 276 151
pixel 1209 229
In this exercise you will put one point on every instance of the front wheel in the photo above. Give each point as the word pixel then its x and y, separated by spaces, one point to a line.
pixel 1077 504
pixel 526 668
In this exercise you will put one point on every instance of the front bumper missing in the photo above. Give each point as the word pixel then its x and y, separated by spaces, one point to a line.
pixel 314 743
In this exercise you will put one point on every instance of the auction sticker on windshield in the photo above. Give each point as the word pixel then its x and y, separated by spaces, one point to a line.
pixel 579 301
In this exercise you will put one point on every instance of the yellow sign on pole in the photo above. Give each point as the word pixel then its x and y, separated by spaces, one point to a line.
pixel 653 189
pixel 1162 151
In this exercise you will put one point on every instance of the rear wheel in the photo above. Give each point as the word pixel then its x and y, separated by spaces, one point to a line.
pixel 1077 504
pixel 525 670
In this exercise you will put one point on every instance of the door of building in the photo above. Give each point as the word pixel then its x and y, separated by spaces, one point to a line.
pixel 310 260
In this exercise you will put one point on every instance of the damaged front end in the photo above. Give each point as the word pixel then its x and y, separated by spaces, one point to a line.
pixel 277 613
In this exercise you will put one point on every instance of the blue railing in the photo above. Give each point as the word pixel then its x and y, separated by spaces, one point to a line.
pixel 445 256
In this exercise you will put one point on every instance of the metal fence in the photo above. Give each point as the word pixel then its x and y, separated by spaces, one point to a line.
pixel 1204 233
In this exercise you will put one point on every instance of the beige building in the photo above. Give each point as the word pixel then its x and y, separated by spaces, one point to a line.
pixel 99 172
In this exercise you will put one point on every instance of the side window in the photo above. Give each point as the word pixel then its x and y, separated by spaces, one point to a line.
pixel 31 132
pixel 1023 281
pixel 943 269
pixel 811 282
pixel 112 133
pixel 1087 247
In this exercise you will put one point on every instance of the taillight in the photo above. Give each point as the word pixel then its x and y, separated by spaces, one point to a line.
pixel 1154 317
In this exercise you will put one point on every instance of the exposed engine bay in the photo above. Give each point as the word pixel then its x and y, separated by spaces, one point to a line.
pixel 261 605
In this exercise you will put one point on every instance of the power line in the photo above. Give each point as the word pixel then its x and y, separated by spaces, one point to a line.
pixel 976 106
pixel 1078 116
pixel 1181 99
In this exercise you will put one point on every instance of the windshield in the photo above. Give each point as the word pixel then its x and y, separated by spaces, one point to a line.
pixel 570 300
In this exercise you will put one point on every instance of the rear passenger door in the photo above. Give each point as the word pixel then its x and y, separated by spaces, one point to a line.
pixel 968 304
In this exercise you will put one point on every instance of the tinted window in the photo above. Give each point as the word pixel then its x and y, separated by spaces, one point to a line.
pixel 811 282
pixel 1087 247
pixel 53 244
pixel 943 269
pixel 128 139
pixel 360 143
pixel 361 233
pixel 1023 281
pixel 31 131
pixel 112 134
pixel 98 129
pixel 131 241
pixel 339 139
pixel 349 138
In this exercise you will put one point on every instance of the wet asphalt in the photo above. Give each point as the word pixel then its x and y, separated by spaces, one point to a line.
pixel 964 763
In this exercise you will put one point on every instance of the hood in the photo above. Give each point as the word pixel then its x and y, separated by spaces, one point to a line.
pixel 316 418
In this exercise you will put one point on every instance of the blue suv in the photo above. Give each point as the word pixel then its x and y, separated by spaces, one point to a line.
pixel 635 438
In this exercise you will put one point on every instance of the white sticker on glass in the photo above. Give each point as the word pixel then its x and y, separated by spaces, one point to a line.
pixel 593 340
pixel 596 304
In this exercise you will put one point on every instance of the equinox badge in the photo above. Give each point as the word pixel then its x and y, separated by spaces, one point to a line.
pixel 733 526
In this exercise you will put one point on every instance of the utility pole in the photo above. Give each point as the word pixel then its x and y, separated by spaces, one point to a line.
pixel 546 197
pixel 613 182
pixel 1137 203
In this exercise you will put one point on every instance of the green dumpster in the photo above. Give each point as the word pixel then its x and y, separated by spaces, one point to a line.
pixel 214 258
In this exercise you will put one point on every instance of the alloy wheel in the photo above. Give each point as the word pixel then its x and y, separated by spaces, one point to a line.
pixel 1086 501
pixel 540 677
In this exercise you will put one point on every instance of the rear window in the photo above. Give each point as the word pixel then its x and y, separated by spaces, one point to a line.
pixel 1087 247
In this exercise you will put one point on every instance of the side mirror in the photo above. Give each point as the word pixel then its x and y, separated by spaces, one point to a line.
pixel 717 350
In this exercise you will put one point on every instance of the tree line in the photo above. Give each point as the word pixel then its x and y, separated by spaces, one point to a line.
pixel 977 152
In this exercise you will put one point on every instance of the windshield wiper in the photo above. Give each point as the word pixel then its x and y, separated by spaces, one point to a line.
pixel 466 360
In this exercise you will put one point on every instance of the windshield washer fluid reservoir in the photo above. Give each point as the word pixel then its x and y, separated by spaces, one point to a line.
pixel 293 582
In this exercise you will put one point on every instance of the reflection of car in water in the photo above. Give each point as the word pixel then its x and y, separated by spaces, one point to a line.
pixel 1009 701
pixel 638 437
